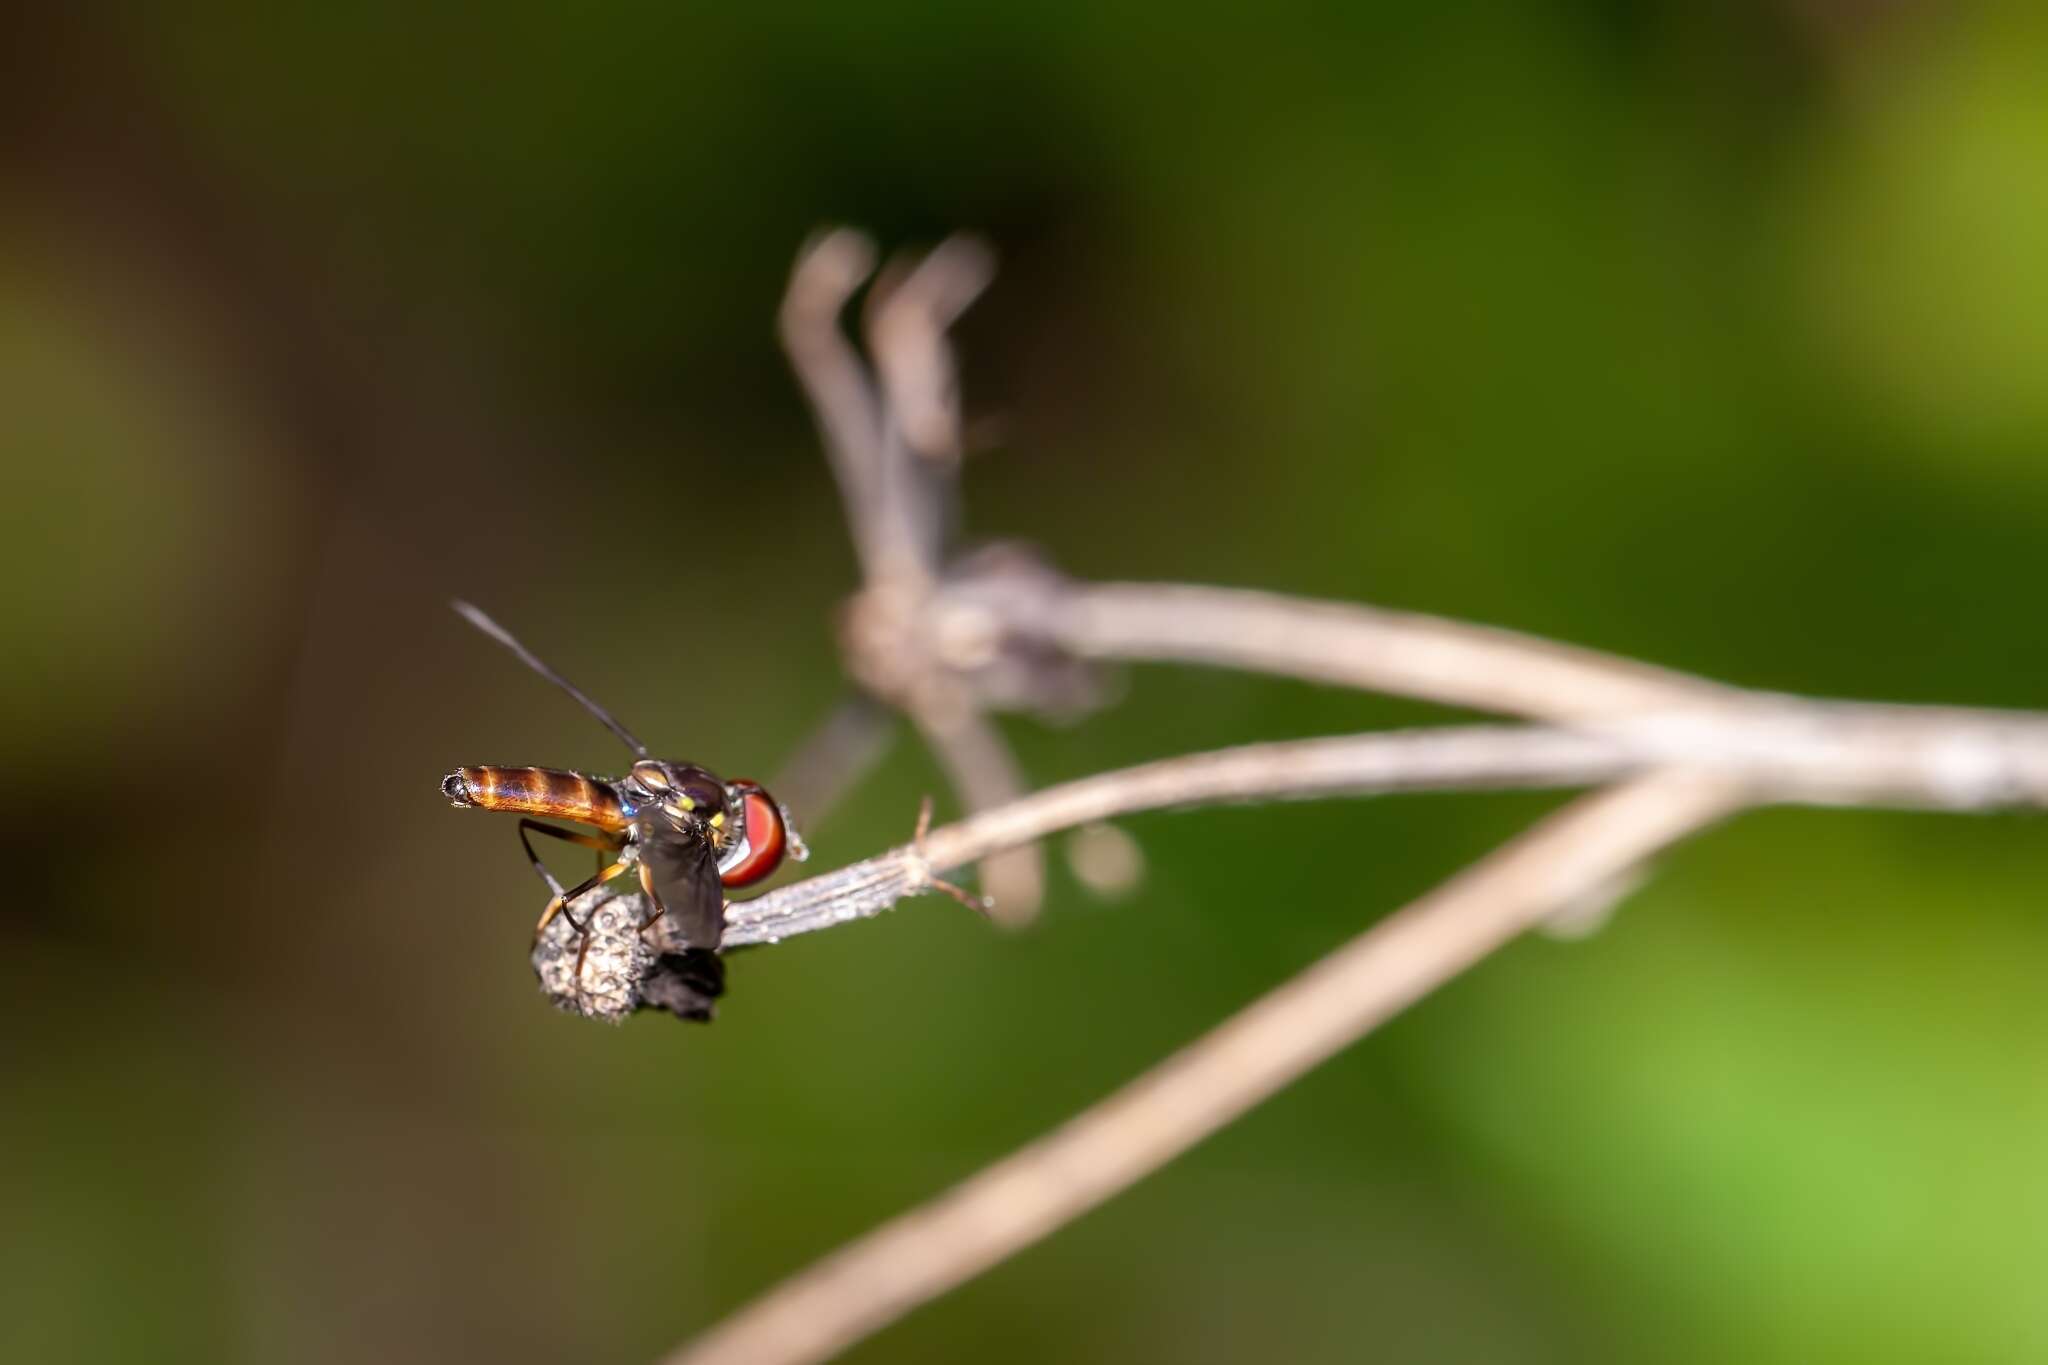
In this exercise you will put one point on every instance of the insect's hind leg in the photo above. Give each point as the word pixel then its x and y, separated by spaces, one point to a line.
pixel 601 842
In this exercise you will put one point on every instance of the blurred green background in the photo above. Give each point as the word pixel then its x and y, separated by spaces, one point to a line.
pixel 1715 335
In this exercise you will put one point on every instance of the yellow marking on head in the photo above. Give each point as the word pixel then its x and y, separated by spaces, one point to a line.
pixel 717 820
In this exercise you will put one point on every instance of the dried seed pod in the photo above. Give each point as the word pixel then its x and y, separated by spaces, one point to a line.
pixel 623 967
pixel 598 977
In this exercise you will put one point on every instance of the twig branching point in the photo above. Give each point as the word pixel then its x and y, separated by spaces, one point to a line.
pixel 893 439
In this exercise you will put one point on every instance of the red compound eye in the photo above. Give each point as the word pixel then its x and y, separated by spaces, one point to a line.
pixel 767 839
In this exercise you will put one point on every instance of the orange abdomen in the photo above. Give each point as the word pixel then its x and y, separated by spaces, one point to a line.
pixel 537 791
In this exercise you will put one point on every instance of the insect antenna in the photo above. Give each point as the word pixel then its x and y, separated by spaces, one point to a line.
pixel 476 617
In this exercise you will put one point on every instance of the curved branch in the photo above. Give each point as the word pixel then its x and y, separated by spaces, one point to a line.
pixel 1686 751
pixel 829 270
pixel 1406 654
pixel 1020 1199
pixel 1490 757
pixel 1820 753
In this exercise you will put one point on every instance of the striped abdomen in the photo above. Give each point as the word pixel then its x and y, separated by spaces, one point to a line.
pixel 537 791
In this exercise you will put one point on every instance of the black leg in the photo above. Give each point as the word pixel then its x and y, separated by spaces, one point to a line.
pixel 540 867
pixel 598 842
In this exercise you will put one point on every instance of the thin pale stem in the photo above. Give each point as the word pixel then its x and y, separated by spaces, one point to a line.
pixel 829 269
pixel 1825 753
pixel 924 1253
pixel 1404 654
pixel 1683 751
pixel 1488 757
pixel 907 330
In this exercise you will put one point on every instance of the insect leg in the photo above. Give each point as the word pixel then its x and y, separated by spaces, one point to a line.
pixel 562 898
pixel 605 845
pixel 655 909
pixel 600 843
pixel 559 902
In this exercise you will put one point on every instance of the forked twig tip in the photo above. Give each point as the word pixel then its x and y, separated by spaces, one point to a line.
pixel 982 905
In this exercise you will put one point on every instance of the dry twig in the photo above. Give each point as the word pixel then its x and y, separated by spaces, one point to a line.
pixel 1776 749
pixel 1404 654
pixel 947 643
pixel 1028 1194
pixel 895 446
pixel 1692 768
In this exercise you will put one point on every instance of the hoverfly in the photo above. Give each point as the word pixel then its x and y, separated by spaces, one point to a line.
pixel 688 833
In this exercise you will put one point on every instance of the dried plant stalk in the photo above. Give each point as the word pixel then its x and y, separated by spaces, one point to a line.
pixel 949 642
pixel 1021 1198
